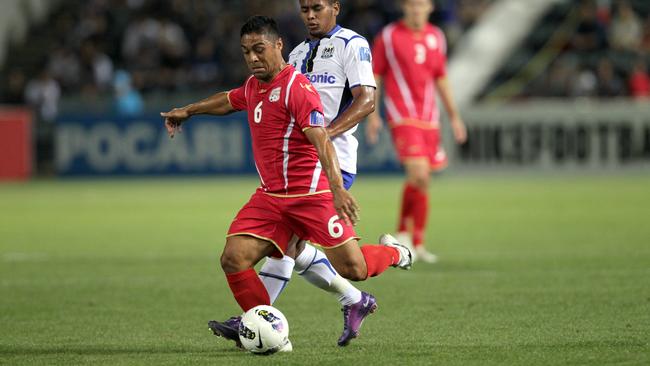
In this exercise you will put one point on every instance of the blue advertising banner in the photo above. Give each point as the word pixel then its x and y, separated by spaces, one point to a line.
pixel 108 145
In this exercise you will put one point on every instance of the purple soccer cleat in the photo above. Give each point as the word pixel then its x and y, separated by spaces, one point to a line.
pixel 353 316
pixel 228 329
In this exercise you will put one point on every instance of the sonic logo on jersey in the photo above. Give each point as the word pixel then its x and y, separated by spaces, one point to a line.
pixel 274 96
pixel 321 78
pixel 328 52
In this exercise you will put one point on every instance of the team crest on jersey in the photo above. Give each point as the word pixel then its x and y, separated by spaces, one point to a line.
pixel 432 42
pixel 328 52
pixel 364 54
pixel 275 94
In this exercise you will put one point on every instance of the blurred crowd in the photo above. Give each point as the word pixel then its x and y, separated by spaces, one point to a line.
pixel 131 48
pixel 607 55
pixel 127 49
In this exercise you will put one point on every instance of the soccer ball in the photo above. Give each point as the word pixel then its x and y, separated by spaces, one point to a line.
pixel 264 330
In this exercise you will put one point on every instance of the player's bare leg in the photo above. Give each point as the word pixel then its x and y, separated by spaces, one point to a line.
pixel 243 252
pixel 239 256
pixel 357 264
pixel 414 211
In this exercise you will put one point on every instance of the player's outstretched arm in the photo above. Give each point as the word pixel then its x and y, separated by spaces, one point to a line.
pixel 375 123
pixel 363 103
pixel 217 104
pixel 346 206
pixel 457 125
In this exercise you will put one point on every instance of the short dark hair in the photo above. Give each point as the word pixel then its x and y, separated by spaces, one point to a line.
pixel 260 24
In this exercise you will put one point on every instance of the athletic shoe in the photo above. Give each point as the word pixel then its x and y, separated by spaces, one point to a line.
pixel 228 329
pixel 354 315
pixel 405 254
pixel 424 255
pixel 404 238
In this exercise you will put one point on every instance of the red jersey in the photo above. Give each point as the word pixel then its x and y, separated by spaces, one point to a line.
pixel 409 62
pixel 278 114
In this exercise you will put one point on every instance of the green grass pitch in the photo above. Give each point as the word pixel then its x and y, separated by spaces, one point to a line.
pixel 533 271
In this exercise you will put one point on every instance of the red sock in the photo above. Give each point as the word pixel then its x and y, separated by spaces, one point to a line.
pixel 420 212
pixel 248 289
pixel 378 258
pixel 406 212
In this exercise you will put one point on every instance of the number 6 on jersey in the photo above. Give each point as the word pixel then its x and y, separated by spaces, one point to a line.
pixel 257 113
pixel 334 228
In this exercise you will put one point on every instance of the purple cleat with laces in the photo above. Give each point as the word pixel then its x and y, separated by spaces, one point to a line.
pixel 353 316
pixel 228 329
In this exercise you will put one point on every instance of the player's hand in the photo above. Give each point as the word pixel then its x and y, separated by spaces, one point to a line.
pixel 459 130
pixel 373 126
pixel 174 119
pixel 346 206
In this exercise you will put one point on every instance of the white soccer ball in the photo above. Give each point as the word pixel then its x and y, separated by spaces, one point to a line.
pixel 264 330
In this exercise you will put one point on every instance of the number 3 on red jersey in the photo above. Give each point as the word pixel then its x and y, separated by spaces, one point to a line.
pixel 420 53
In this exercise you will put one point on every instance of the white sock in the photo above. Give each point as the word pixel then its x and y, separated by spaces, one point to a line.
pixel 275 275
pixel 347 293
pixel 314 266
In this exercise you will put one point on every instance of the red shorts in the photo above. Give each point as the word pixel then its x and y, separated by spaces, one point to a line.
pixel 412 142
pixel 277 218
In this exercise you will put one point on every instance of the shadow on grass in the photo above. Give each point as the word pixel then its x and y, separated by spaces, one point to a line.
pixel 98 350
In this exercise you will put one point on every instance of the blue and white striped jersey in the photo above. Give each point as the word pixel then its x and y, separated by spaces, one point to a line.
pixel 335 64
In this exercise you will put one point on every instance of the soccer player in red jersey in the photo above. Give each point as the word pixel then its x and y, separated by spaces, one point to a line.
pixel 337 61
pixel 301 188
pixel 409 59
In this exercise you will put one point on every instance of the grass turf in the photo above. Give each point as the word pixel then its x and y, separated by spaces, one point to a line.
pixel 540 271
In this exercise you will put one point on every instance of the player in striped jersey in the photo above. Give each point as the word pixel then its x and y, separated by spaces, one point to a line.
pixel 409 59
pixel 337 61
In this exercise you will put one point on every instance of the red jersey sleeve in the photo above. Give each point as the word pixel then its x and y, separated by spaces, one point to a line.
pixel 304 104
pixel 441 40
pixel 237 97
pixel 379 61
pixel 440 65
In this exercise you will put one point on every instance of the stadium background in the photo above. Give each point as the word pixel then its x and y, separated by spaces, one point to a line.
pixel 540 220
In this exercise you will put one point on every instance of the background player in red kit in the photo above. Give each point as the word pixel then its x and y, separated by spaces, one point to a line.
pixel 409 59
pixel 301 188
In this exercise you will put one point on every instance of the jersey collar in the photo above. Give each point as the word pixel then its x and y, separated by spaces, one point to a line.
pixel 263 87
pixel 403 25
pixel 328 35
pixel 334 30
